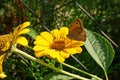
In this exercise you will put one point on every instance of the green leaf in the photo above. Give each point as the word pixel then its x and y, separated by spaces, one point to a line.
pixel 32 33
pixel 57 76
pixel 100 49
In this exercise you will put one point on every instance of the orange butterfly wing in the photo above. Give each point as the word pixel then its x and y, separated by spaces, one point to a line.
pixel 76 30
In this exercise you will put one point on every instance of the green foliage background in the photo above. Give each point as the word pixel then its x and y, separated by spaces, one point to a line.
pixel 106 13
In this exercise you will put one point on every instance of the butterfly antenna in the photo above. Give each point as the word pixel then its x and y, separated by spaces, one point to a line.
pixel 30 9
pixel 98 25
pixel 79 62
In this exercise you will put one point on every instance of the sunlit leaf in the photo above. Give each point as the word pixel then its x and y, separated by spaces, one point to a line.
pixel 100 49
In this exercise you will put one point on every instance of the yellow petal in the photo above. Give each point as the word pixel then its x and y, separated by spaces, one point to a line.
pixel 39 53
pixel 64 54
pixel 24 25
pixel 22 40
pixel 78 43
pixel 2 57
pixel 73 43
pixel 47 36
pixel 20 27
pixel 2 75
pixel 69 50
pixel 73 50
pixel 24 31
pixel 60 59
pixel 55 33
pixel 64 31
pixel 41 41
pixel 53 53
pixel 16 30
pixel 39 48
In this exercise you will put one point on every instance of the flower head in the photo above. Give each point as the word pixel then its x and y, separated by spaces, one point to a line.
pixel 5 41
pixel 56 44
pixel 18 31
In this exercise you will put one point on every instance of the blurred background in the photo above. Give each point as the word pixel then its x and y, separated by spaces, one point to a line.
pixel 55 14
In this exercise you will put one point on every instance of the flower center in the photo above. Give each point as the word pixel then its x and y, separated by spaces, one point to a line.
pixel 5 42
pixel 58 44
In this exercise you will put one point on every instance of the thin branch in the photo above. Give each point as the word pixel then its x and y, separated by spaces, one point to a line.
pixel 79 62
pixel 111 18
pixel 62 6
pixel 33 12
pixel 98 25
pixel 51 12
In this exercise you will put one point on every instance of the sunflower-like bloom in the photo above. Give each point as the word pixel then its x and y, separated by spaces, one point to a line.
pixel 18 31
pixel 5 41
pixel 56 44
pixel 12 39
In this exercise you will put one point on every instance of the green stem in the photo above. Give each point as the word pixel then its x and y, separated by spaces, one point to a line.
pixel 106 74
pixel 14 49
pixel 81 71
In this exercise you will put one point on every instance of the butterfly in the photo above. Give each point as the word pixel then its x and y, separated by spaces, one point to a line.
pixel 76 30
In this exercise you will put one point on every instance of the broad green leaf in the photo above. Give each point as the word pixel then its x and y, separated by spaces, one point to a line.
pixel 100 49
pixel 57 76
pixel 32 33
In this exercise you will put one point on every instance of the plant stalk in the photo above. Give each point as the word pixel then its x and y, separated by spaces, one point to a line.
pixel 81 71
pixel 14 49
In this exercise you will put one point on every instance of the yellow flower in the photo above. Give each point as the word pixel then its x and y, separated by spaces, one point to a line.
pixel 5 41
pixel 18 31
pixel 56 44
